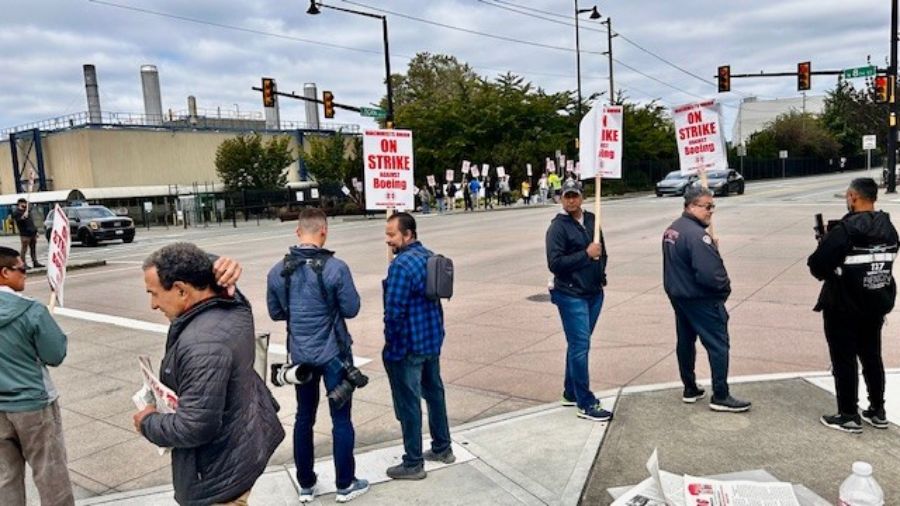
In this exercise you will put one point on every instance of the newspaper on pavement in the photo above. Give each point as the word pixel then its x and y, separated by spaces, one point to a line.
pixel 708 492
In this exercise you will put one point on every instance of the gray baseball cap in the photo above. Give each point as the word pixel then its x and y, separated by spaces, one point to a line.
pixel 571 186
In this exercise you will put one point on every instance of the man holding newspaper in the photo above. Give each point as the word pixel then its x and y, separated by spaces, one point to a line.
pixel 225 425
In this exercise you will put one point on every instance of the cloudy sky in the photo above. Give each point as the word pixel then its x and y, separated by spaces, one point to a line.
pixel 217 50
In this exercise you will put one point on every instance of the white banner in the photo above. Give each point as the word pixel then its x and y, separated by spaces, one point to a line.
pixel 528 169
pixel 701 145
pixel 600 142
pixel 389 169
pixel 501 172
pixel 449 175
pixel 58 256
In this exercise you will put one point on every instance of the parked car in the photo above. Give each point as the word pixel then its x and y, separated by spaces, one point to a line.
pixel 674 184
pixel 723 182
pixel 92 224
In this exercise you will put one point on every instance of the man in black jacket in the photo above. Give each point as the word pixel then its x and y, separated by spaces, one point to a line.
pixel 855 259
pixel 578 265
pixel 27 231
pixel 226 426
pixel 697 284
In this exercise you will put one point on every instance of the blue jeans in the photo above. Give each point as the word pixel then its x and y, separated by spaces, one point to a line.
pixel 579 317
pixel 412 379
pixel 342 434
pixel 709 320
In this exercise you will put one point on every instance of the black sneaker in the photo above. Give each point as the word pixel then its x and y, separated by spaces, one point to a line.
pixel 876 418
pixel 403 472
pixel 567 401
pixel 846 423
pixel 445 456
pixel 692 395
pixel 729 405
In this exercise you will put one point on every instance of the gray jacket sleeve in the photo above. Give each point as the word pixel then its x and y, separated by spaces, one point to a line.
pixel 203 372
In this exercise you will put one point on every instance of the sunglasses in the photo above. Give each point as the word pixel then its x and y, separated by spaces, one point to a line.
pixel 708 207
pixel 20 268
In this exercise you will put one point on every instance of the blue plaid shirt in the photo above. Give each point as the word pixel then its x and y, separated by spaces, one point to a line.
pixel 412 323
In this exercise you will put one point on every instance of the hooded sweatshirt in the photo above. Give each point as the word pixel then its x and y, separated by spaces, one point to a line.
pixel 30 340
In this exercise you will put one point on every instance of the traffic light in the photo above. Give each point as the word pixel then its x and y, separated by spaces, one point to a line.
pixel 328 103
pixel 881 89
pixel 268 87
pixel 804 78
pixel 724 78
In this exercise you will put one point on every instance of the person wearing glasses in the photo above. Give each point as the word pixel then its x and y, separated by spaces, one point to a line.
pixel 30 424
pixel 697 284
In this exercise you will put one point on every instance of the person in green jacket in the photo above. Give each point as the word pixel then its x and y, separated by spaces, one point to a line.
pixel 30 423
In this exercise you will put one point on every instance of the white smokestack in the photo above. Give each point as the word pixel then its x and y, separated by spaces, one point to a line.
pixel 152 97
pixel 312 108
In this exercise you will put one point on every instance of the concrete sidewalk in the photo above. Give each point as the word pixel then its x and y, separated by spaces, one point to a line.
pixel 546 455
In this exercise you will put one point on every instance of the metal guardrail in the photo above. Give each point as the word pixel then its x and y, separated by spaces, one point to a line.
pixel 221 120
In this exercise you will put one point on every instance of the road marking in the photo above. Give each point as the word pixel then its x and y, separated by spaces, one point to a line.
pixel 113 320
pixel 129 323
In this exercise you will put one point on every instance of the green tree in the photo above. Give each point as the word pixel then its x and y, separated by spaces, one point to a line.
pixel 802 134
pixel 851 113
pixel 245 163
pixel 333 161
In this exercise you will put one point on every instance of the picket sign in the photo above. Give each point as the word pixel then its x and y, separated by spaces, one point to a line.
pixel 600 150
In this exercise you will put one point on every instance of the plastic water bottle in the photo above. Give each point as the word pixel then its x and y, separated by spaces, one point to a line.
pixel 860 488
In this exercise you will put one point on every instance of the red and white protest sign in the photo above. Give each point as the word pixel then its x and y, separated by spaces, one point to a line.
pixel 449 175
pixel 430 178
pixel 465 166
pixel 485 168
pixel 600 142
pixel 388 156
pixel 501 172
pixel 474 171
pixel 701 145
pixel 528 169
pixel 58 256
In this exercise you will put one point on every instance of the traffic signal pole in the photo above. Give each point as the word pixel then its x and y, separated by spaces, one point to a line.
pixel 892 105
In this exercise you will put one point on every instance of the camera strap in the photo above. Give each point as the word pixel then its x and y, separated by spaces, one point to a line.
pixel 317 264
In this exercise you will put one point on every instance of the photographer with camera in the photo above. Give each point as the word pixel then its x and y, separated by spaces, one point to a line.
pixel 854 258
pixel 314 293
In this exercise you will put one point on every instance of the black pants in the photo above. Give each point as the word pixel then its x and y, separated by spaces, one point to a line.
pixel 850 337
pixel 708 320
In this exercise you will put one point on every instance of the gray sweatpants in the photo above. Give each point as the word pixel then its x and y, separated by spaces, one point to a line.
pixel 35 437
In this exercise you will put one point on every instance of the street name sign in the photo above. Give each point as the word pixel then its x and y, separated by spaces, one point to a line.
pixel 859 72
pixel 372 112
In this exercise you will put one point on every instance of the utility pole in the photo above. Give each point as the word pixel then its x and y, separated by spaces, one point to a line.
pixel 609 37
pixel 892 105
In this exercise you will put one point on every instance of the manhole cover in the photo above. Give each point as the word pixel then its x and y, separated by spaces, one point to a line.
pixel 539 297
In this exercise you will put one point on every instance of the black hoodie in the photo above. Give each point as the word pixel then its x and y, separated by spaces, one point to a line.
pixel 863 230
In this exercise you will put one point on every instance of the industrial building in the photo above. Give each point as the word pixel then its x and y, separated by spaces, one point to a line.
pixel 122 160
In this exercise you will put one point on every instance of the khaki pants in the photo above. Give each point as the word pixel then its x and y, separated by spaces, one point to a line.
pixel 243 500
pixel 35 437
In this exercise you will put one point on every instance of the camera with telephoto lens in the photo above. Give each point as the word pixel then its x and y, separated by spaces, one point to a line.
pixel 290 374
pixel 353 379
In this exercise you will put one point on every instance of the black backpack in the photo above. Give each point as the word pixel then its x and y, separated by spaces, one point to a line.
pixel 438 278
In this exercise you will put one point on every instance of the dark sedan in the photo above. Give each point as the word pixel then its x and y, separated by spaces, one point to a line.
pixel 674 184
pixel 92 224
pixel 724 182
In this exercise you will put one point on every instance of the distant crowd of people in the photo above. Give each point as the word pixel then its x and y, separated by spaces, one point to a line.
pixel 486 192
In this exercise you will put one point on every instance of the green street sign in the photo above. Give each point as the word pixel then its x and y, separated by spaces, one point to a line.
pixel 859 72
pixel 372 112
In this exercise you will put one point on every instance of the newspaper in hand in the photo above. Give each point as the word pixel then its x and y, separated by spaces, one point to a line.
pixel 154 392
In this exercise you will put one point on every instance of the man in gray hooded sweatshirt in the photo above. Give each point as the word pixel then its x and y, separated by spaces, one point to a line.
pixel 30 423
